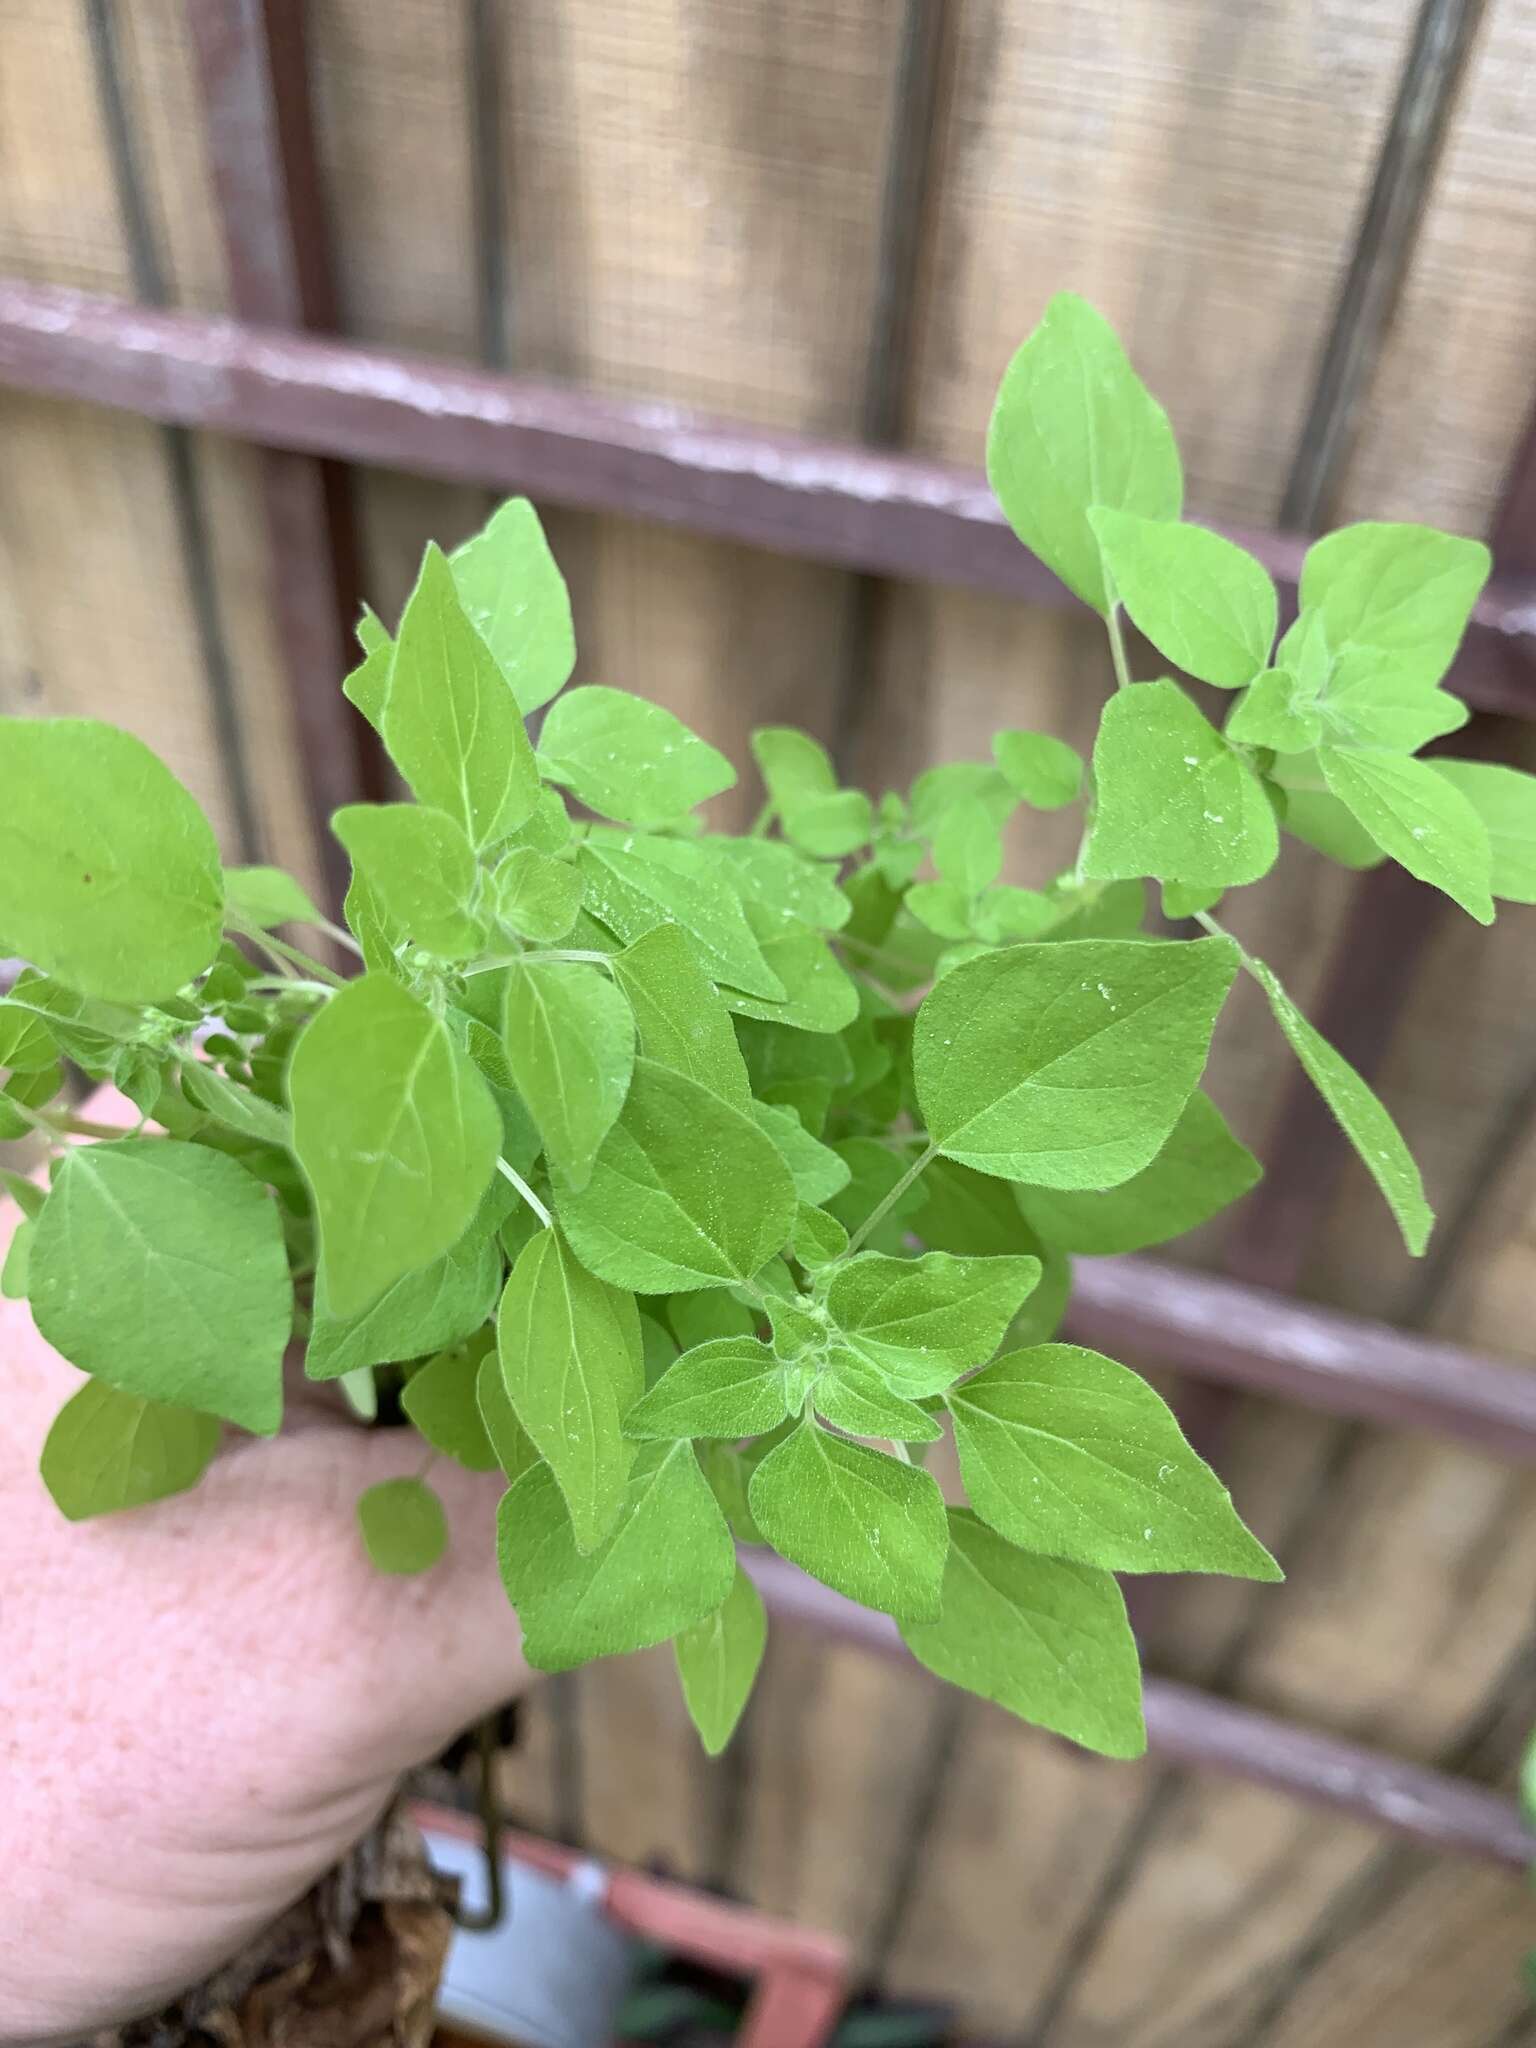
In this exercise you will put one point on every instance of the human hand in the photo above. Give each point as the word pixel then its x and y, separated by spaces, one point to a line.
pixel 205 1703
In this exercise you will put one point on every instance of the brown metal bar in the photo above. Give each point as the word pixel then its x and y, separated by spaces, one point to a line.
pixel 898 515
pixel 254 75
pixel 1247 1337
pixel 1186 1726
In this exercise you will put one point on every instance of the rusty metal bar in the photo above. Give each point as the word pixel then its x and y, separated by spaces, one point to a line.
pixel 898 515
pixel 1189 1727
pixel 254 75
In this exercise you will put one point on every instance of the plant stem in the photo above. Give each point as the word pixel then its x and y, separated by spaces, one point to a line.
pixel 293 984
pixel 341 937
pixel 282 953
pixel 760 824
pixel 925 1158
pixel 1117 649
pixel 899 1450
pixel 511 1173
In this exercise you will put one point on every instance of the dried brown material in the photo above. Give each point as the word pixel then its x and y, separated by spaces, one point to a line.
pixel 354 1964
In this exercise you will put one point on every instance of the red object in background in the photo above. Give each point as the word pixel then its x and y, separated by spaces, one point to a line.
pixel 802 1977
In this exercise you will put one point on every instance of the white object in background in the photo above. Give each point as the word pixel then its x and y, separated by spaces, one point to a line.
pixel 551 1974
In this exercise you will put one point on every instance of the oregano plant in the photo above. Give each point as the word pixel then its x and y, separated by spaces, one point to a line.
pixel 700 1183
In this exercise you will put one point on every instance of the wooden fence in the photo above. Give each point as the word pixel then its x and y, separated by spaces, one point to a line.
pixel 829 221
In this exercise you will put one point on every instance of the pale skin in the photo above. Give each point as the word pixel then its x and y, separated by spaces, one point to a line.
pixel 204 1703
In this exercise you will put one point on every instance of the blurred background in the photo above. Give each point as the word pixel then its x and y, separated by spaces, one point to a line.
pixel 1314 224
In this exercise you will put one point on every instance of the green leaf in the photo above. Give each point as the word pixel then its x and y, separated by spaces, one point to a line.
pixel 1405 590
pixel 513 1447
pixel 1274 712
pixel 1200 1170
pixel 729 1387
pixel 959 786
pixel 381 939
pixel 875 1169
pixel 109 872
pixel 267 897
pixel 718 1659
pixel 711 1312
pixel 1073 428
pixel 681 1020
pixel 1370 700
pixel 1363 1119
pixel 515 598
pixel 571 1358
pixel 26 1043
pixel 772 874
pixel 633 885
pixel 859 1521
pixel 817 1171
pixel 422 869
pixel 403 1525
pixel 1181 900
pixel 108 1450
pixel 159 1268
pixel 1066 1453
pixel 818 995
pixel 686 1192
pixel 1505 800
pixel 1175 801
pixel 233 1103
pixel 26 1194
pixel 1044 770
pixel 851 1394
pixel 367 686
pixel 969 1212
pixel 1203 602
pixel 1048 1641
pixel 438 1305
pixel 1420 819
pixel 968 850
pixel 451 723
pixel 818 1238
pixel 441 1399
pixel 1067 1065
pixel 570 1043
pixel 629 759
pixel 16 1267
pixel 536 894
pixel 667 1564
pixel 922 1321
pixel 1311 814
pixel 397 1135
pixel 795 768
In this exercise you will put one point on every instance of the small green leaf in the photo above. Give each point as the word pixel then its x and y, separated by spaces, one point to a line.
pixel 1405 590
pixel 861 1522
pixel 818 1238
pixel 818 995
pixel 266 898
pixel 1274 712
pixel 1044 770
pixel 1048 1641
pixel 536 894
pixel 1201 600
pixel 712 1312
pixel 1182 900
pixel 397 1135
pixel 775 876
pixel 1505 800
pixel 26 1194
pixel 681 1020
pixel 239 1107
pixel 570 1043
pixel 718 1659
pixel 1066 1453
pixel 686 1192
pixel 26 1043
pixel 968 849
pixel 1074 427
pixel 16 1267
pixel 159 1268
pixel 1362 1117
pixel 514 1448
pixel 109 872
pixel 1370 700
pixel 633 885
pixel 1175 801
pixel 571 1359
pixel 421 867
pixel 629 759
pixel 817 1171
pixel 1311 814
pixel 1067 1065
pixel 1200 1170
pixel 366 687
pixel 1420 819
pixel 515 597
pixel 851 1394
pixel 442 1401
pixel 436 1306
pixel 404 1527
pixel 795 768
pixel 668 1563
pixel 109 1450
pixel 730 1387
pixel 922 1321
pixel 452 723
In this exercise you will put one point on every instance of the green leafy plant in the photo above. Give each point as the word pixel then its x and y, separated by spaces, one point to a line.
pixel 700 1183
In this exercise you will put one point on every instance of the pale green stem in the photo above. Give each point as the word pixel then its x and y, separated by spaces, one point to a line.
pixel 293 985
pixel 760 824
pixel 341 936
pixel 511 1173
pixel 899 1450
pixel 924 1159
pixel 1117 648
